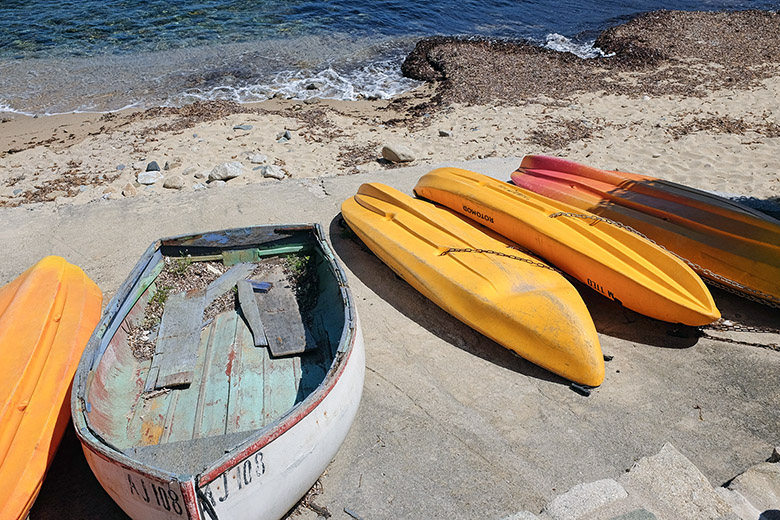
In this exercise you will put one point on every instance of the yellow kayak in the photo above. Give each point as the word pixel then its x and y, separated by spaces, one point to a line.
pixel 46 317
pixel 510 297
pixel 612 260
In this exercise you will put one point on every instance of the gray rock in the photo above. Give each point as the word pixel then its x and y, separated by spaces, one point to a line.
pixel 397 153
pixel 153 167
pixel 214 184
pixel 139 165
pixel 314 86
pixel 283 137
pixel 199 186
pixel 584 498
pixel 120 167
pixel 82 189
pixel 201 175
pixel 672 487
pixel 273 171
pixel 739 504
pixel 226 171
pixel 17 191
pixel 189 171
pixel 243 127
pixel 128 190
pixel 445 133
pixel 149 177
pixel 760 485
pixel 174 182
pixel 258 159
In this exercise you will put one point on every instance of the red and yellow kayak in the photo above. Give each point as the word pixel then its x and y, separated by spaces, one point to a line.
pixel 725 242
pixel 615 262
pixel 46 317
pixel 473 274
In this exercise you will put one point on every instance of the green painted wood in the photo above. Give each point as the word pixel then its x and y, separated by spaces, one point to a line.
pixel 248 303
pixel 280 392
pixel 215 386
pixel 181 425
pixel 245 410
pixel 177 342
pixel 233 257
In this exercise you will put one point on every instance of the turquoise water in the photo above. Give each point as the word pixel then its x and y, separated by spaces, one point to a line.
pixel 98 55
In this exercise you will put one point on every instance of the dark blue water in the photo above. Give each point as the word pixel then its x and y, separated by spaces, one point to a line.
pixel 59 56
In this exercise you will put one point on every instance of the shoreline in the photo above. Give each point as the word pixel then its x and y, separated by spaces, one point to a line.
pixel 665 105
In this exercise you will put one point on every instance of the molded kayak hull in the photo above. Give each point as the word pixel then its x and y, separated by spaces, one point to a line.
pixel 46 317
pixel 514 299
pixel 613 261
pixel 729 244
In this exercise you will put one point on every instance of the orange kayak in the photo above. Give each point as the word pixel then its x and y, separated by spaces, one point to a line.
pixel 46 317
pixel 477 277
pixel 731 245
pixel 619 264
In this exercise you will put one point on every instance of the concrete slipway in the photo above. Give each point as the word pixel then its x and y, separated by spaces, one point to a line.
pixel 451 425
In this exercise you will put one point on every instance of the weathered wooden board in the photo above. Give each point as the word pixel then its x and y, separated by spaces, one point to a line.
pixel 226 282
pixel 177 343
pixel 248 304
pixel 284 327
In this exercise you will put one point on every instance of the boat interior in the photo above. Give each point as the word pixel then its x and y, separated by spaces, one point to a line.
pixel 208 383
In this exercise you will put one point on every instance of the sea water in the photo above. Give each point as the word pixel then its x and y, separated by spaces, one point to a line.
pixel 100 55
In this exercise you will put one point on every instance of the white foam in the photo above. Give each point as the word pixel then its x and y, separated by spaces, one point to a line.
pixel 560 43
pixel 380 80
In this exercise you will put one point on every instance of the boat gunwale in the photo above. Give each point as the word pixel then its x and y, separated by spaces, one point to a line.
pixel 256 439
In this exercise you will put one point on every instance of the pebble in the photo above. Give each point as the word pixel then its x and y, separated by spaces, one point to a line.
pixel 282 137
pixel 174 182
pixel 190 171
pixel 200 175
pixel 273 171
pixel 397 153
pixel 199 186
pixel 128 190
pixel 242 127
pixel 226 171
pixel 120 167
pixel 17 191
pixel 445 133
pixel 149 177
pixel 153 167
pixel 82 189
pixel 214 184
pixel 258 159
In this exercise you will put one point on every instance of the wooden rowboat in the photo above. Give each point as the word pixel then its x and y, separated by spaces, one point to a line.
pixel 223 377
pixel 46 317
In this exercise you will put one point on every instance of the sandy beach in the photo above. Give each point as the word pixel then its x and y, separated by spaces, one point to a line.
pixel 703 115
pixel 684 98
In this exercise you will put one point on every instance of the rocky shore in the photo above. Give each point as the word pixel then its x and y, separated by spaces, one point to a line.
pixel 689 93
